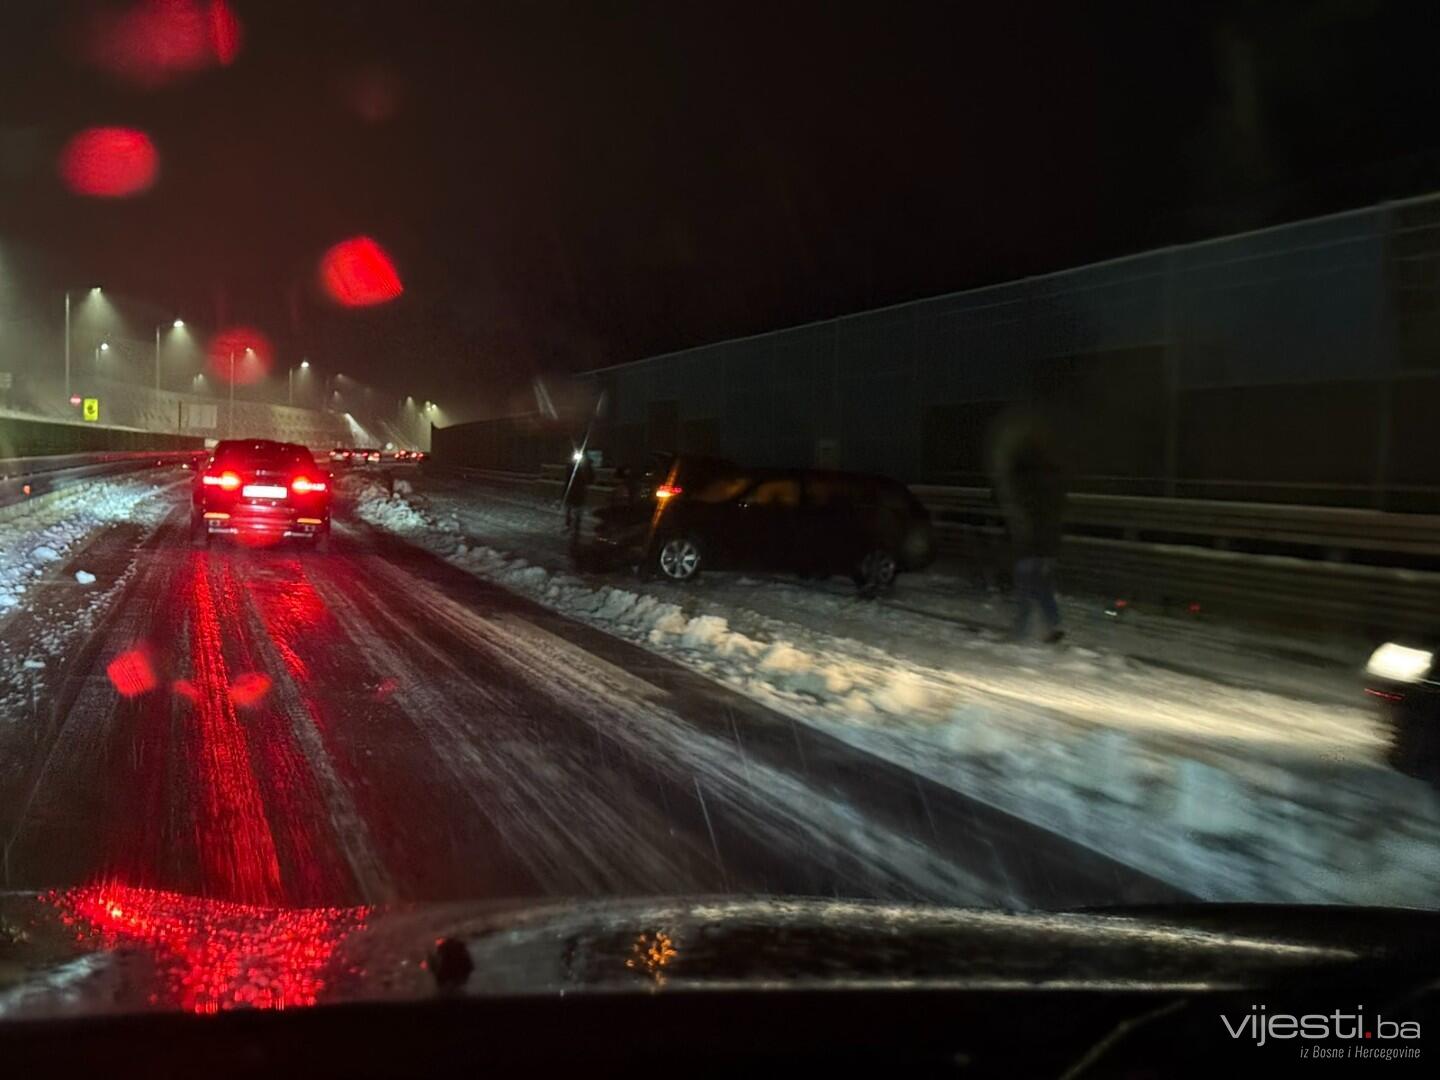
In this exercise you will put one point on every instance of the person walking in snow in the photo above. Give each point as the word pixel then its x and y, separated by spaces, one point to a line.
pixel 1031 489
pixel 580 479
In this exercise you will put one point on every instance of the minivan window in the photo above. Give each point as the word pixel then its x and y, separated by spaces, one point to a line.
pixel 783 492
pixel 722 489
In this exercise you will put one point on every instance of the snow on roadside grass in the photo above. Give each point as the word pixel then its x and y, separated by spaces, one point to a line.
pixel 38 534
pixel 1230 794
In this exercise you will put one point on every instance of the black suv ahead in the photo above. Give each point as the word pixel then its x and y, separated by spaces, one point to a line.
pixel 697 512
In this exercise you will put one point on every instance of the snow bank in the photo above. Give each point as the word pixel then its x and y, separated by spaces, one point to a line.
pixel 1228 792
pixel 35 536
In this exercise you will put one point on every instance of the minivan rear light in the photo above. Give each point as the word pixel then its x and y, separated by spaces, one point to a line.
pixel 302 485
pixel 667 491
pixel 226 481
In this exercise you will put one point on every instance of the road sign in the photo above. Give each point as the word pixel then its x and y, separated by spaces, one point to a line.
pixel 91 409
pixel 75 399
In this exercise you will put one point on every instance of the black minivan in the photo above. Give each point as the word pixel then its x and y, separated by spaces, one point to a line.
pixel 695 513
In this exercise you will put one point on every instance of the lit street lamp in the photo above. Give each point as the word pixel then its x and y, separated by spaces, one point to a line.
pixel 178 324
pixel 95 291
pixel 290 381
pixel 104 346
pixel 248 352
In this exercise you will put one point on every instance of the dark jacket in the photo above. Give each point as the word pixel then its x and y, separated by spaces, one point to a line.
pixel 580 479
pixel 1031 488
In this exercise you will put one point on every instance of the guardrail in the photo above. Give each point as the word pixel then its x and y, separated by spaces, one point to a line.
pixel 1324 568
pixel 27 478
pixel 1332 533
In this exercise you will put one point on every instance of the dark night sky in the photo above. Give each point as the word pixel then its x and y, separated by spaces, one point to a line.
pixel 570 185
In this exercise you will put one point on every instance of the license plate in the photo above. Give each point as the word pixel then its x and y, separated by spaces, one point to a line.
pixel 262 491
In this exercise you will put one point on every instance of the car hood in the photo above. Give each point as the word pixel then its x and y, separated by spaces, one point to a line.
pixel 112 949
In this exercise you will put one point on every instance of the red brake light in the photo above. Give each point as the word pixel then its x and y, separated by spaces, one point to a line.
pixel 303 485
pixel 226 481
pixel 666 491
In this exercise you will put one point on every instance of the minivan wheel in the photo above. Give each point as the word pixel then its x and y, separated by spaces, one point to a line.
pixel 876 570
pixel 679 558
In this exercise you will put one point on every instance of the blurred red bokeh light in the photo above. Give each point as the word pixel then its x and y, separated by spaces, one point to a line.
pixel 253 353
pixel 358 273
pixel 130 673
pixel 250 688
pixel 155 42
pixel 109 162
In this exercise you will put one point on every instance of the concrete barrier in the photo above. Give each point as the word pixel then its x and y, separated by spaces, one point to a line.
pixel 27 438
pixel 163 412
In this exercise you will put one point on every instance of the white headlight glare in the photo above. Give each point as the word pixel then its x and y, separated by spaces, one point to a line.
pixel 1399 663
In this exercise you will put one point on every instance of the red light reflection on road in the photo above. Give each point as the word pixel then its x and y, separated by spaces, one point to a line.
pixel 156 42
pixel 109 162
pixel 358 273
pixel 234 838
pixel 213 955
pixel 131 674
pixel 186 689
pixel 258 538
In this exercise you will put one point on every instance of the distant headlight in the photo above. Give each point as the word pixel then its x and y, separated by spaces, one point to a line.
pixel 1399 663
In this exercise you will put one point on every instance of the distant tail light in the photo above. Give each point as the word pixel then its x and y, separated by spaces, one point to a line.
pixel 668 491
pixel 302 485
pixel 226 481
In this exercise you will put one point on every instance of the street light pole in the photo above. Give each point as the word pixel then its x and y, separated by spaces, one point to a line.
pixel 157 359
pixel 290 381
pixel 67 344
pixel 232 394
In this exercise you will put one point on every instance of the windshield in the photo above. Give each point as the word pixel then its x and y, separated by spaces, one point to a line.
pixel 564 453
pixel 262 455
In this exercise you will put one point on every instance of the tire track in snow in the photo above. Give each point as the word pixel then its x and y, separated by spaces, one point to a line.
pixel 542 799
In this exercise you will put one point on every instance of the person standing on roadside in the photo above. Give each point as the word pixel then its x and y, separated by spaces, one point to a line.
pixel 580 479
pixel 1030 485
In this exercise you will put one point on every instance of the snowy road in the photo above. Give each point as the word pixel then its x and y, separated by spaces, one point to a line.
pixel 375 723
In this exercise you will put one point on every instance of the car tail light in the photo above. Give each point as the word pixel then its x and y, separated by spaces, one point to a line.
pixel 303 485
pixel 226 481
pixel 668 491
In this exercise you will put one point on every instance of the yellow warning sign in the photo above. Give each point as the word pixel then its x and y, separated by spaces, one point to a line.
pixel 90 409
